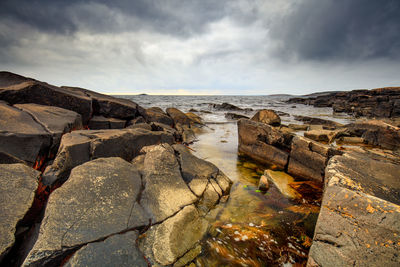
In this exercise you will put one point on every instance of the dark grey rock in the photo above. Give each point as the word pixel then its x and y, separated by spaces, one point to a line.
pixel 18 184
pixel 100 122
pixel 156 114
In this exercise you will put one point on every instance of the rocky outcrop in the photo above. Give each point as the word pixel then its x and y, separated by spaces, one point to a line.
pixel 79 147
pixel 18 184
pixel 308 159
pixel 264 142
pixel 225 106
pixel 380 102
pixel 156 114
pixel 96 214
pixel 234 116
pixel 267 116
pixel 178 116
pixel 326 136
pixel 358 224
pixel 377 133
pixel 318 121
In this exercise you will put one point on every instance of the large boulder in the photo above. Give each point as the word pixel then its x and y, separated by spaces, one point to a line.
pixel 359 221
pixel 308 158
pixel 100 199
pixel 267 116
pixel 79 147
pixel 156 114
pixel 21 136
pixel 377 133
pixel 18 184
pixel 178 116
pixel 264 142
pixel 49 95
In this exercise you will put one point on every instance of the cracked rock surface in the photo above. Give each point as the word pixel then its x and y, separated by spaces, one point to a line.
pixel 99 211
pixel 18 184
pixel 360 213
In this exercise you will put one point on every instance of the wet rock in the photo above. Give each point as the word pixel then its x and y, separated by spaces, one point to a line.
pixel 178 116
pixel 225 106
pixel 18 184
pixel 282 181
pixel 308 159
pixel 21 136
pixel 79 147
pixel 100 122
pixel 377 133
pixel 136 120
pixel 165 243
pixel 194 118
pixel 263 142
pixel 109 106
pixel 54 120
pixel 234 116
pixel 318 121
pixel 358 224
pixel 156 114
pixel 117 250
pixel 32 91
pixel 99 199
pixel 263 184
pixel 351 140
pixel 267 116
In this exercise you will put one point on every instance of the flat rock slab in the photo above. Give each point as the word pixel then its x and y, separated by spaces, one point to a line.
pixel 359 221
pixel 79 147
pixel 117 250
pixel 18 184
pixel 49 95
pixel 21 136
pixel 99 199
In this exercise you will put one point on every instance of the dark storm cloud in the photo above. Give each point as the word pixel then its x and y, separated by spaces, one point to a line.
pixel 65 17
pixel 340 30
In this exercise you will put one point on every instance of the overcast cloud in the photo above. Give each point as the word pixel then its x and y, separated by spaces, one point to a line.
pixel 204 47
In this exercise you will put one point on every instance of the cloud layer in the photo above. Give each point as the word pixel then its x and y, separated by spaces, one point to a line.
pixel 215 47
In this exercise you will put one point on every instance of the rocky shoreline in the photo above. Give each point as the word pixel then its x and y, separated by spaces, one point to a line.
pixel 89 179
pixel 126 192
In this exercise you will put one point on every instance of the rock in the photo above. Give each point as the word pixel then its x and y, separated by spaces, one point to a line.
pixel 193 110
pixel 144 125
pixel 359 221
pixel 225 106
pixel 234 116
pixel 178 116
pixel 21 136
pixel 321 135
pixel 317 121
pixel 169 241
pixel 79 147
pixel 32 91
pixel 54 120
pixel 267 116
pixel 18 184
pixel 100 122
pixel 194 118
pixel 136 120
pixel 109 106
pixel 117 250
pixel 298 127
pixel 308 159
pixel 166 192
pixel 156 114
pixel 6 158
pixel 282 181
pixel 264 143
pixel 100 199
pixel 263 183
pixel 188 257
pixel 377 133
pixel 351 140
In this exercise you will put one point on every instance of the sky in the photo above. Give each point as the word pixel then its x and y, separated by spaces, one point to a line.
pixel 235 47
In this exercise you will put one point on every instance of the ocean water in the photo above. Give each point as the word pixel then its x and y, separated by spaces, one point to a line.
pixel 252 228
